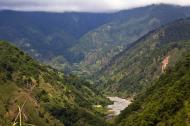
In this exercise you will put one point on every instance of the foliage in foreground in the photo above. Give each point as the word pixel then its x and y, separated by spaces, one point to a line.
pixel 52 99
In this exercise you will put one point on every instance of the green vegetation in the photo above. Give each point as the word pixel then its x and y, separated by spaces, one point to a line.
pixel 48 36
pixel 101 44
pixel 149 61
pixel 166 103
pixel 82 42
pixel 52 99
pixel 134 69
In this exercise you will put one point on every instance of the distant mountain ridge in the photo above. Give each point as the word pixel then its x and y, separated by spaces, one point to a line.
pixel 46 36
pixel 74 23
pixel 83 42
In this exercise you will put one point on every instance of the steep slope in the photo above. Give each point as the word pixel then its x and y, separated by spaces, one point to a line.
pixel 48 36
pixel 134 69
pixel 166 103
pixel 49 98
pixel 101 44
pixel 87 40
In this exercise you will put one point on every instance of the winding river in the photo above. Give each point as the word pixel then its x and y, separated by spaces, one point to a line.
pixel 118 105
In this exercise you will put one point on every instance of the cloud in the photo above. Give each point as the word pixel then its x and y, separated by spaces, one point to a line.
pixel 80 5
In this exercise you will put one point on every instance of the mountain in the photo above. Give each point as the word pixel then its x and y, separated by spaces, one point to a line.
pixel 143 61
pixel 47 97
pixel 166 103
pixel 142 53
pixel 82 42
pixel 104 42
pixel 48 36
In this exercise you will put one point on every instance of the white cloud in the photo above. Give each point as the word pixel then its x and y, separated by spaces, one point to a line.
pixel 81 5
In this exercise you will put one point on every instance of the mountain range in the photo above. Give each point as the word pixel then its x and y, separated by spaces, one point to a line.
pixel 83 42
pixel 56 69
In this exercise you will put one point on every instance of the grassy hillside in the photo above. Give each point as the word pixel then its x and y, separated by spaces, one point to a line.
pixel 101 44
pixel 135 68
pixel 166 103
pixel 50 98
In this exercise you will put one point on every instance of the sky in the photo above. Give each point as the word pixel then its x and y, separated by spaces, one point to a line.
pixel 81 5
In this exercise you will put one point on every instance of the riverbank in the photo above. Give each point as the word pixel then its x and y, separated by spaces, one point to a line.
pixel 118 105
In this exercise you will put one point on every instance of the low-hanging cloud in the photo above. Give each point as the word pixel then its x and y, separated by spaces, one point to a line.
pixel 81 5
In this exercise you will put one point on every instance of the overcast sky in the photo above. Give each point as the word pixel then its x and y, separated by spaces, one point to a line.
pixel 81 5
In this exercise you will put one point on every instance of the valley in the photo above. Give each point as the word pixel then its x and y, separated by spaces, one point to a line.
pixel 122 68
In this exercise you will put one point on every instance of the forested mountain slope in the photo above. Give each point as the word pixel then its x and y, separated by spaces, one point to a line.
pixel 135 68
pixel 48 36
pixel 101 44
pixel 82 42
pixel 49 97
pixel 166 103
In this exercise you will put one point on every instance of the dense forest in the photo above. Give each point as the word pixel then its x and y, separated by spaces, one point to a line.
pixel 166 103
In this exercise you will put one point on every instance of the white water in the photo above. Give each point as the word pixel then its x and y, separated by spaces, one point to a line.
pixel 119 105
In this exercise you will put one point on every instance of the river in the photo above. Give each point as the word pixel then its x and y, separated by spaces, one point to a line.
pixel 118 105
